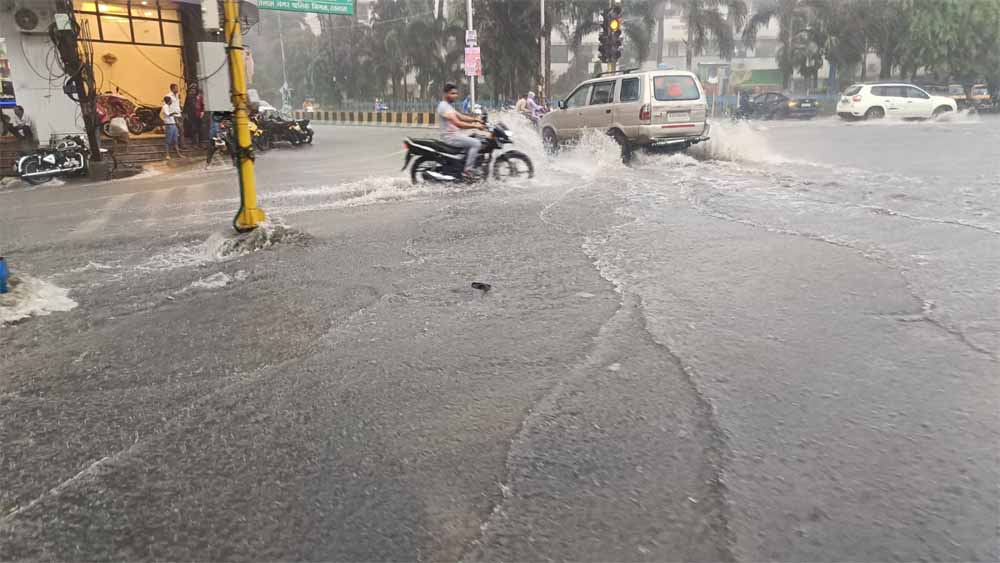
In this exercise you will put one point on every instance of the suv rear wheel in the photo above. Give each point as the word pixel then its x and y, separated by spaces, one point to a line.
pixel 550 141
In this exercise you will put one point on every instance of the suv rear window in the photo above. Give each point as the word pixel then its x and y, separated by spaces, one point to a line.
pixel 852 91
pixel 675 88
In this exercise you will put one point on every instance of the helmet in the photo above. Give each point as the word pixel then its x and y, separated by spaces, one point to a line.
pixel 531 94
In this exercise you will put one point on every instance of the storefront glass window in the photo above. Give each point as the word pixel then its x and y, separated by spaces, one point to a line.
pixel 6 83
pixel 146 31
pixel 115 28
pixel 143 22
pixel 172 34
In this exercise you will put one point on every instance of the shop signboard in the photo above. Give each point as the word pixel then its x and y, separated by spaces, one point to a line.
pixel 333 7
pixel 6 80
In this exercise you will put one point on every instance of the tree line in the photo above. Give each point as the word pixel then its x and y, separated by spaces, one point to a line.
pixel 406 52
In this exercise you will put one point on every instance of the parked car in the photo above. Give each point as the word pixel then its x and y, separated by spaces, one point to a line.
pixel 904 101
pixel 651 109
pixel 774 105
pixel 980 100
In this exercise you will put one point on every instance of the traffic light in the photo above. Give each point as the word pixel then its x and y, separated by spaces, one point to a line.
pixel 610 38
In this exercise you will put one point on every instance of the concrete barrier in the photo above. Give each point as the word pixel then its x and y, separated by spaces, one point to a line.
pixel 418 119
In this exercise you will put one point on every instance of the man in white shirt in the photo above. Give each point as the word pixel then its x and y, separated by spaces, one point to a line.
pixel 21 126
pixel 451 123
pixel 170 115
pixel 175 103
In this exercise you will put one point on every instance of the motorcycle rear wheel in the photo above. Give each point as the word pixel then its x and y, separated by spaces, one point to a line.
pixel 31 167
pixel 422 165
pixel 135 125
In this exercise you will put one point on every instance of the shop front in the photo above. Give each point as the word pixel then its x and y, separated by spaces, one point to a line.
pixel 137 47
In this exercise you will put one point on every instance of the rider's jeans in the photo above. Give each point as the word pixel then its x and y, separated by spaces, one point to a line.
pixel 470 144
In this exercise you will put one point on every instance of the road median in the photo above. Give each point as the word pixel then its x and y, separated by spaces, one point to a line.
pixel 416 119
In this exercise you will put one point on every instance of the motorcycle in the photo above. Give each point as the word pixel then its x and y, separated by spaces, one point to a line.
pixel 224 140
pixel 148 118
pixel 277 129
pixel 110 106
pixel 69 157
pixel 439 162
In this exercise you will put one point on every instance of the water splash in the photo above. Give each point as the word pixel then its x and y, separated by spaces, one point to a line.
pixel 29 297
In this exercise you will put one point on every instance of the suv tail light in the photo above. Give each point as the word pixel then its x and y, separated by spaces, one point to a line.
pixel 856 98
pixel 645 114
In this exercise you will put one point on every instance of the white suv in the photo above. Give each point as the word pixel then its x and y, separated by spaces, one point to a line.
pixel 658 108
pixel 905 101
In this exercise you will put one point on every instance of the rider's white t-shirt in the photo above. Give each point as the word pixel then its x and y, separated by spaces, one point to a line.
pixel 447 127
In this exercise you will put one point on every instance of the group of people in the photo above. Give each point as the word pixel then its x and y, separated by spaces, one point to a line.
pixel 529 107
pixel 188 122
pixel 18 125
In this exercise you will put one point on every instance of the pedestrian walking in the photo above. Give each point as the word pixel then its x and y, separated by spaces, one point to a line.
pixel 170 116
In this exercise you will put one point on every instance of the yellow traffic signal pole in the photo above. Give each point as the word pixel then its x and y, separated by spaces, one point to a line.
pixel 248 217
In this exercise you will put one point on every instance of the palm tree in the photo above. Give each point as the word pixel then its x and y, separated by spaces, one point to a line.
pixel 793 17
pixel 708 21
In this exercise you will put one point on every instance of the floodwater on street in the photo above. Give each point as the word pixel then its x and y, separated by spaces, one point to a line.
pixel 781 345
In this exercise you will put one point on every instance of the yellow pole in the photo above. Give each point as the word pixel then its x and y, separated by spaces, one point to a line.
pixel 248 217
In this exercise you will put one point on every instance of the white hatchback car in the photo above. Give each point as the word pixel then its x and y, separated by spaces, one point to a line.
pixel 904 101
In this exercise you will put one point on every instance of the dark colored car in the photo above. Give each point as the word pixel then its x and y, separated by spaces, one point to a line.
pixel 774 105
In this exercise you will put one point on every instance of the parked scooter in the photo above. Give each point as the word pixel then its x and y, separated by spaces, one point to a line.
pixel 69 157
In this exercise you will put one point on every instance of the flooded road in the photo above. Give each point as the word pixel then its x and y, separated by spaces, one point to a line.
pixel 780 346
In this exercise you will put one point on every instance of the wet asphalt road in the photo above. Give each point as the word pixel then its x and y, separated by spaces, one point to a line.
pixel 784 348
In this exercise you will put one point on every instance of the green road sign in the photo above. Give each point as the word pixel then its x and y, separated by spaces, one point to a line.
pixel 336 7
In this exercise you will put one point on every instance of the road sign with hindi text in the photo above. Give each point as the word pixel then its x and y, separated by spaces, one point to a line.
pixel 334 7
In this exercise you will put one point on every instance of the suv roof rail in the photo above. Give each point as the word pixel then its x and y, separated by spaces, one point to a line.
pixel 610 72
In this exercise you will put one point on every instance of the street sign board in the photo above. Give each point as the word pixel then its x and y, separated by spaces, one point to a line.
pixel 473 62
pixel 471 38
pixel 334 7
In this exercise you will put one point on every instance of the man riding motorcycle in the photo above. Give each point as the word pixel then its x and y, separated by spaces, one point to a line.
pixel 532 109
pixel 452 122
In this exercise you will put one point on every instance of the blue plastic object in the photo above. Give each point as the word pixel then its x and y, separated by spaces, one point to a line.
pixel 3 275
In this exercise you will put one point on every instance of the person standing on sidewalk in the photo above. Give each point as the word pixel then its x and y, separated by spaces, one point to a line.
pixel 175 102
pixel 170 115
pixel 194 112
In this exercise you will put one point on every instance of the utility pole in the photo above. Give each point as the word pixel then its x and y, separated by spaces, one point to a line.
pixel 286 105
pixel 542 84
pixel 249 217
pixel 472 83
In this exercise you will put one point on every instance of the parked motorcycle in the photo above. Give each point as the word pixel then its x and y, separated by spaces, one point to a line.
pixel 110 106
pixel 224 140
pixel 148 118
pixel 278 129
pixel 439 162
pixel 69 157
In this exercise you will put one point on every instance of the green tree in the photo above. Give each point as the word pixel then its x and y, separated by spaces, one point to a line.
pixel 708 22
pixel 301 47
pixel 793 17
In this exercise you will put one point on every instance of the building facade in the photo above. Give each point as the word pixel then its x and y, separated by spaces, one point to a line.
pixel 138 47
